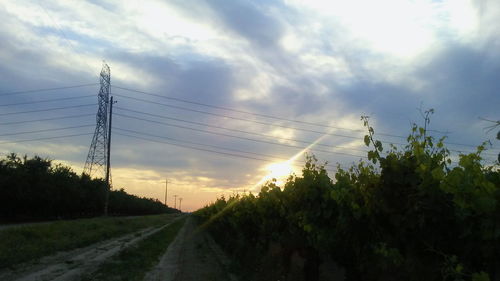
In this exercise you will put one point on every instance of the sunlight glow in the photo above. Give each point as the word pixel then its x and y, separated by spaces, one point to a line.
pixel 281 170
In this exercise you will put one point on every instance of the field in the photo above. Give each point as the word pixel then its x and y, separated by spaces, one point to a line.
pixel 28 243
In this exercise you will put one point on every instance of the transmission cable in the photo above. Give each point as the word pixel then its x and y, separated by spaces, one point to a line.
pixel 48 109
pixel 255 133
pixel 233 130
pixel 235 110
pixel 233 136
pixel 203 149
pixel 271 124
pixel 46 130
pixel 202 144
pixel 46 119
pixel 43 101
pixel 262 115
pixel 251 139
pixel 48 89
pixel 47 138
pixel 247 120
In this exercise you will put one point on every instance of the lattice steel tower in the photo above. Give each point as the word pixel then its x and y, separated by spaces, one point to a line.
pixel 97 159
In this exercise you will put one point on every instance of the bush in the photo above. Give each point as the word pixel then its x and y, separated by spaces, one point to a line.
pixel 408 214
pixel 35 189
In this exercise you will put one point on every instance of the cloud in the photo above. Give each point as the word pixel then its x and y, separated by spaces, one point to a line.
pixel 248 20
pixel 315 61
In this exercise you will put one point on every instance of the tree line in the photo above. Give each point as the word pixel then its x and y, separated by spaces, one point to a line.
pixel 405 214
pixel 37 189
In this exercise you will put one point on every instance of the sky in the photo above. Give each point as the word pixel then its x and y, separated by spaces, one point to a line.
pixel 219 97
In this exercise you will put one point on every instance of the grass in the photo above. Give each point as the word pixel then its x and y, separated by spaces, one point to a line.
pixel 134 262
pixel 28 243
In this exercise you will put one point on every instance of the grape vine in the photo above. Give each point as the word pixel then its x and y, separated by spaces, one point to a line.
pixel 406 214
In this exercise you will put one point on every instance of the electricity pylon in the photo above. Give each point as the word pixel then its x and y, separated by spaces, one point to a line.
pixel 97 158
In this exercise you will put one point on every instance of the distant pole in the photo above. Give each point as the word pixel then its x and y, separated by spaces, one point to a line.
pixel 166 191
pixel 180 202
pixel 175 201
pixel 106 202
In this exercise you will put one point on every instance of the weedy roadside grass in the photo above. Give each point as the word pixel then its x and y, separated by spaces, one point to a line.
pixel 134 262
pixel 28 243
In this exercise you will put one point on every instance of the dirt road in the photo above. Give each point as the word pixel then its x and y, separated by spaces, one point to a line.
pixel 71 265
pixel 193 255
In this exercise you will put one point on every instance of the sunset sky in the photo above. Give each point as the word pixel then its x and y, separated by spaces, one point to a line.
pixel 254 84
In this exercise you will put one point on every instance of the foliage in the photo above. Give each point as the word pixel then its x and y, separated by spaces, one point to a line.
pixel 408 214
pixel 123 203
pixel 35 189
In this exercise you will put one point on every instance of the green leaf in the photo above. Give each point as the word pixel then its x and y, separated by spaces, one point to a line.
pixel 423 167
pixel 308 228
pixel 481 276
pixel 371 155
pixel 367 140
pixel 438 173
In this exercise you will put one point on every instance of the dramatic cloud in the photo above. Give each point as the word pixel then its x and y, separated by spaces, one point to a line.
pixel 323 63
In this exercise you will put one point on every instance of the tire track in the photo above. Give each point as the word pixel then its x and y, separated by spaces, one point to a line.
pixel 193 255
pixel 72 265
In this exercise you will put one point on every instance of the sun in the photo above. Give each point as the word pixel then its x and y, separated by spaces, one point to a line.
pixel 279 170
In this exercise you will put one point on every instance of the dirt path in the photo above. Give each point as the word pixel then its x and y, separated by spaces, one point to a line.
pixel 71 265
pixel 193 255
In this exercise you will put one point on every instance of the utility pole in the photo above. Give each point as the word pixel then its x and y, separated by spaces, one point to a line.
pixel 180 202
pixel 175 201
pixel 166 191
pixel 108 186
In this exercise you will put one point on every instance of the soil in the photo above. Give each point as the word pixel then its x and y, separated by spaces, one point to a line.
pixel 72 265
pixel 193 255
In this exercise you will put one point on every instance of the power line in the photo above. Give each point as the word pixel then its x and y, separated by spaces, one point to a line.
pixel 243 131
pixel 243 119
pixel 195 148
pixel 45 130
pixel 233 136
pixel 46 119
pixel 47 138
pixel 234 130
pixel 43 101
pixel 48 109
pixel 47 89
pixel 264 123
pixel 202 149
pixel 261 115
pixel 202 144
pixel 236 110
